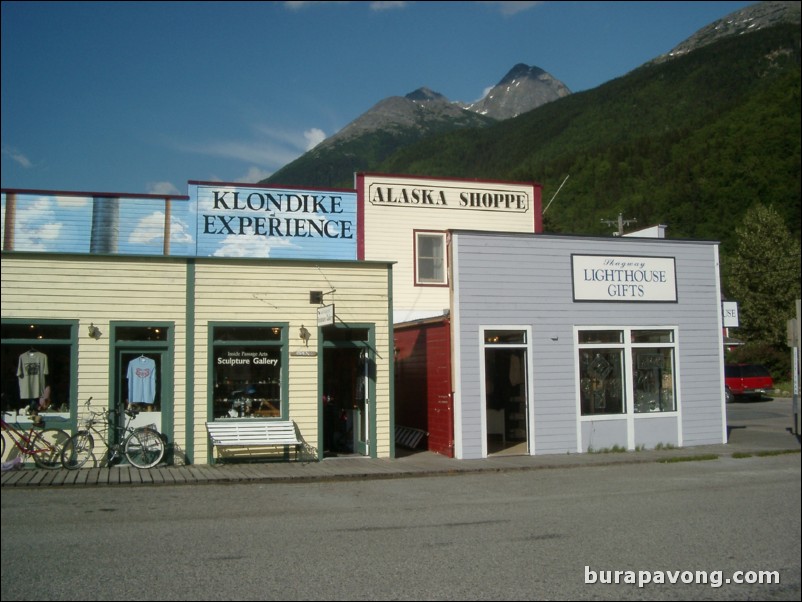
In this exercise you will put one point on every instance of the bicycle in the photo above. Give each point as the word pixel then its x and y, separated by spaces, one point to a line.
pixel 142 446
pixel 42 444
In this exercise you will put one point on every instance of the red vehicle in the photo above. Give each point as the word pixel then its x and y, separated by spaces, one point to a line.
pixel 746 381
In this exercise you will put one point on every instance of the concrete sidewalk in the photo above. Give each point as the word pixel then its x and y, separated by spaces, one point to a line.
pixel 768 430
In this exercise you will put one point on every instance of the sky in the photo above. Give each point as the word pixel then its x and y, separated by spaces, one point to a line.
pixel 143 97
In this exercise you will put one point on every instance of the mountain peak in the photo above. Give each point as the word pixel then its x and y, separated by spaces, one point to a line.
pixel 521 71
pixel 525 87
pixel 751 18
pixel 425 94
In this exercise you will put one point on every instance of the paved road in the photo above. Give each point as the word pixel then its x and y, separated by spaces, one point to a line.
pixel 513 535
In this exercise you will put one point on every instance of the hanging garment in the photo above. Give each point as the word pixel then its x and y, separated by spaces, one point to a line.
pixel 32 372
pixel 141 380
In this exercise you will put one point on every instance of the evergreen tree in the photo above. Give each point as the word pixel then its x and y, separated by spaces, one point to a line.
pixel 765 276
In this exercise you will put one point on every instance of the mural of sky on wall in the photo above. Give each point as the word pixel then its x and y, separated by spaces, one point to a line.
pixel 213 221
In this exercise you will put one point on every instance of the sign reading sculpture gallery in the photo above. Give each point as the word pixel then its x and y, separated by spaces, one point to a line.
pixel 617 278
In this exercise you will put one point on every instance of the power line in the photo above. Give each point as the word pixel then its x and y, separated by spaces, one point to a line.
pixel 621 222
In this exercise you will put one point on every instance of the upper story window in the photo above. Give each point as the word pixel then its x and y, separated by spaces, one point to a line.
pixel 430 258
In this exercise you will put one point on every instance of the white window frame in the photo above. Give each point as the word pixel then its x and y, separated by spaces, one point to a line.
pixel 629 383
pixel 443 281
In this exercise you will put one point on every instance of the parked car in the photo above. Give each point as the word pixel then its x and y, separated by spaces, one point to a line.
pixel 746 381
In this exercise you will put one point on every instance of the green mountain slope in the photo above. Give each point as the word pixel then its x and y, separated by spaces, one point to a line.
pixel 691 143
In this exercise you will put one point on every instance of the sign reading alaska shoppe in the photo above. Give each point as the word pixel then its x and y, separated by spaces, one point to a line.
pixel 616 278
pixel 241 221
pixel 459 195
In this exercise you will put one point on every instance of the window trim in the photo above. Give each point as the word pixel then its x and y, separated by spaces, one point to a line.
pixel 442 234
pixel 72 342
pixel 627 346
pixel 282 343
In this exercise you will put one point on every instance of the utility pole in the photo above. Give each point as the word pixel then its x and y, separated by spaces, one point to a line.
pixel 620 222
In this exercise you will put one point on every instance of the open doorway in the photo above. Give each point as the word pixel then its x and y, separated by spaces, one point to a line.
pixel 346 403
pixel 506 401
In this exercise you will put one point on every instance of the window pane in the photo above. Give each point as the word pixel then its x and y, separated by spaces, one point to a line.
pixel 247 333
pixel 247 381
pixel 140 333
pixel 46 382
pixel 652 336
pixel 502 337
pixel 36 331
pixel 601 336
pixel 431 258
pixel 653 373
pixel 601 380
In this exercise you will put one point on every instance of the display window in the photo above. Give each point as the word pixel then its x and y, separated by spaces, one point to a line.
pixel 609 359
pixel 38 367
pixel 248 371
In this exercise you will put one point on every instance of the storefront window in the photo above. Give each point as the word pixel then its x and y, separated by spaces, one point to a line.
pixel 653 371
pixel 248 369
pixel 603 370
pixel 37 368
pixel 601 377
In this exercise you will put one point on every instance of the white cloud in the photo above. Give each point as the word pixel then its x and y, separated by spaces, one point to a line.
pixel 254 174
pixel 314 136
pixel 512 8
pixel 17 157
pixel 252 246
pixel 37 227
pixel 151 228
pixel 165 188
pixel 388 5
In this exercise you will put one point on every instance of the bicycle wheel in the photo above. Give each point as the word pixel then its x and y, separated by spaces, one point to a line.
pixel 77 450
pixel 144 448
pixel 46 446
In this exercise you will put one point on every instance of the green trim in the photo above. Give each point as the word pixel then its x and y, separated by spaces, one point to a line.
pixel 370 345
pixel 283 342
pixel 72 341
pixel 166 350
pixel 189 382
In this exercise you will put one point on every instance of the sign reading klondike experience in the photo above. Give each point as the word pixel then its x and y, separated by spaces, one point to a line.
pixel 616 278
pixel 236 221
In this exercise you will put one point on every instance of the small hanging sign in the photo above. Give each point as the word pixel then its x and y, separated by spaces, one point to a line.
pixel 325 315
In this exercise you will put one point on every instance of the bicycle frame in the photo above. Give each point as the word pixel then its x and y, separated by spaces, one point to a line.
pixel 34 444
pixel 121 440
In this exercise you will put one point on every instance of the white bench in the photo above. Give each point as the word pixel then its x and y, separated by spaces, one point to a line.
pixel 254 433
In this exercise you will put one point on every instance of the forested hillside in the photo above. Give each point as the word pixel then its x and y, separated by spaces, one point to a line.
pixel 691 143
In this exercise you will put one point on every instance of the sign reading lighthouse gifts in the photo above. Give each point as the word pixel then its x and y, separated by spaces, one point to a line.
pixel 616 278
pixel 253 221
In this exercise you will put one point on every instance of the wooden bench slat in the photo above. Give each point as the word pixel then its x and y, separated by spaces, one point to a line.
pixel 255 434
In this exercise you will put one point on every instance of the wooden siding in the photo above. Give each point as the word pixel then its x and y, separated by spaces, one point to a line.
pixel 526 280
pixel 423 382
pixel 101 290
pixel 389 234
pixel 231 291
pixel 97 290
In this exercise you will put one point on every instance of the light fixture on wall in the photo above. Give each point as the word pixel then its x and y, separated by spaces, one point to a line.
pixel 305 335
pixel 94 332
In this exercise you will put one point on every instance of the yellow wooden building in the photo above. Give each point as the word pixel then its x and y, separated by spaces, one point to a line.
pixel 216 337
